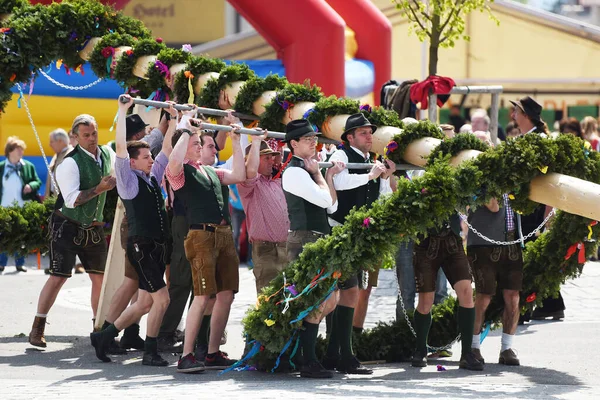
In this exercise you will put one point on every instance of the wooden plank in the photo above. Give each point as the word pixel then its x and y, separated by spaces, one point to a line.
pixel 114 272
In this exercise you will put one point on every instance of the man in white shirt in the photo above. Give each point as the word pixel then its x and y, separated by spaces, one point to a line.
pixel 354 188
pixel 308 199
pixel 76 228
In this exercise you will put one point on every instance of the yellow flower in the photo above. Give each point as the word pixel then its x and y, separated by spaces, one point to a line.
pixel 269 322
pixel 544 169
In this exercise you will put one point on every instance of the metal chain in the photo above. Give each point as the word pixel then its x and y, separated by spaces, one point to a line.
pixel 499 243
pixel 62 85
pixel 430 348
pixel 38 139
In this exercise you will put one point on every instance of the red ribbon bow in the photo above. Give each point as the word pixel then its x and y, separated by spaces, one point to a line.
pixel 580 256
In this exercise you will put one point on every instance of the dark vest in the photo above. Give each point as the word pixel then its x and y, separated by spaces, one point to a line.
pixel 90 175
pixel 304 215
pixel 490 224
pixel 203 197
pixel 453 223
pixel 357 197
pixel 146 214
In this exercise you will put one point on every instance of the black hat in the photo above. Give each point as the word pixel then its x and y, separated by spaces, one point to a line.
pixel 134 124
pixel 356 121
pixel 530 107
pixel 298 128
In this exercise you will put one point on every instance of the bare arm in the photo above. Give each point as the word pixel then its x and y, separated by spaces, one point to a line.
pixel 167 146
pixel 121 137
pixel 337 167
pixel 238 171
pixel 254 157
pixel 107 183
pixel 177 156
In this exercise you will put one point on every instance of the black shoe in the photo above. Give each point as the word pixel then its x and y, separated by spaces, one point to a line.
pixel 353 366
pixel 329 363
pixel 470 362
pixel 168 344
pixel 218 361
pixel 100 341
pixel 201 352
pixel 114 348
pixel 189 364
pixel 21 268
pixel 419 358
pixel 315 370
pixel 131 338
pixel 541 315
pixel 154 360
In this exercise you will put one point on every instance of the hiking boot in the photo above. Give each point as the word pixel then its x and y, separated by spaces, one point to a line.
pixel 219 361
pixel 330 363
pixel 419 358
pixel 21 268
pixel 201 352
pixel 478 356
pixel 315 370
pixel 470 362
pixel 189 364
pixel 101 342
pixel 509 357
pixel 36 336
pixel 131 338
pixel 353 366
pixel 168 344
pixel 154 360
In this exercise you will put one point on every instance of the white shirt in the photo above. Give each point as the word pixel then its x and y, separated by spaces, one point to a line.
pixel 298 182
pixel 346 181
pixel 67 175
pixel 12 188
pixel 228 165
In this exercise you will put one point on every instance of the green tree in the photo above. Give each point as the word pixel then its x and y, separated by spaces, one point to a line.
pixel 441 22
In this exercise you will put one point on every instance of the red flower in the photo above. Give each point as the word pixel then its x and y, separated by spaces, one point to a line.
pixel 159 40
pixel 129 53
pixel 531 298
pixel 4 30
pixel 108 52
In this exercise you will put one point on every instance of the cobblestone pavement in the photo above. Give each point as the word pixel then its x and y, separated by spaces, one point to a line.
pixel 557 357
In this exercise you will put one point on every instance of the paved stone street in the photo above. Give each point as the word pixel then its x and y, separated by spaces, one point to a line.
pixel 557 357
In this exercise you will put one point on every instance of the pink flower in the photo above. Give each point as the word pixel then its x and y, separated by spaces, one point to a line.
pixel 423 191
pixel 159 40
pixel 108 52
pixel 368 221
pixel 187 48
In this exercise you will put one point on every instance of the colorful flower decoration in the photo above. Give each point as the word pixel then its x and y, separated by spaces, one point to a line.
pixel 336 275
pixel 366 107
pixel 187 48
pixel 531 298
pixel 159 40
pixel 292 290
pixel 162 68
pixel 390 148
pixel 108 51
pixel 5 31
pixel 129 53
pixel 269 322
pixel 424 191
pixel 440 368
pixel 367 222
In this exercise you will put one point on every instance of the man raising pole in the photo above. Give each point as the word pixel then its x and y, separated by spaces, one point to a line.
pixel 137 184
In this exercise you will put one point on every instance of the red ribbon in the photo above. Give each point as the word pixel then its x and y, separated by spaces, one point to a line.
pixel 581 254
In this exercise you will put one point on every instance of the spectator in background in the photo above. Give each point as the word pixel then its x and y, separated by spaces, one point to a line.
pixel 480 121
pixel 73 139
pixel 466 128
pixel 512 130
pixel 589 126
pixel 571 126
pixel 59 141
pixel 456 119
pixel 19 183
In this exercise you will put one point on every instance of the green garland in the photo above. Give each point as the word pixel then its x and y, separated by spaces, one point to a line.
pixel 196 66
pixel 74 22
pixel 460 142
pixel 97 58
pixel 331 106
pixel 232 73
pixel 410 133
pixel 254 88
pixel 124 70
pixel 381 117
pixel 7 6
pixel 24 229
pixel 286 98
pixel 169 57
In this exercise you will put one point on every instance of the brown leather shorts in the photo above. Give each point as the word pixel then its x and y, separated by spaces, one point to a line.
pixel 214 260
pixel 440 251
pixel 496 264
pixel 269 260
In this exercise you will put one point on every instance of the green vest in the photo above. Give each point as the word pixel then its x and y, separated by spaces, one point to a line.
pixel 203 197
pixel 304 215
pixel 146 214
pixel 90 175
